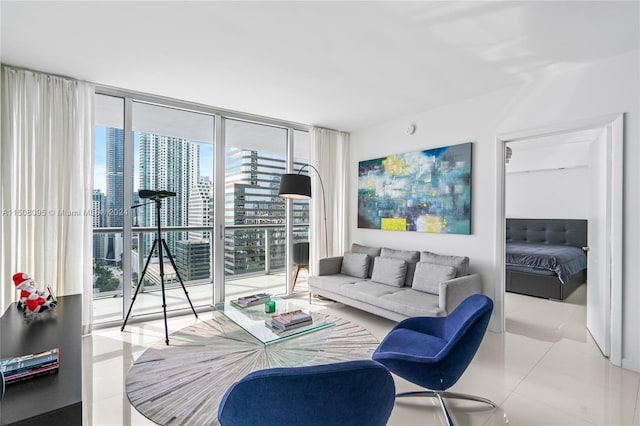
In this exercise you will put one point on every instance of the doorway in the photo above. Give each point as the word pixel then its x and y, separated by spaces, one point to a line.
pixel 604 303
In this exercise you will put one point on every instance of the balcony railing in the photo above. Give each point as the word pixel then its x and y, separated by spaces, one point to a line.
pixel 256 249
pixel 264 274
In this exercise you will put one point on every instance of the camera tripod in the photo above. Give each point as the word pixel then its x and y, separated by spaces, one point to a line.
pixel 159 242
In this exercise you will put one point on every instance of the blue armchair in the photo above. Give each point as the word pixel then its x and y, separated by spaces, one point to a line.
pixel 433 352
pixel 346 393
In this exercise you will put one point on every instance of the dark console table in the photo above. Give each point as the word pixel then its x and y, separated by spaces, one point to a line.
pixel 47 400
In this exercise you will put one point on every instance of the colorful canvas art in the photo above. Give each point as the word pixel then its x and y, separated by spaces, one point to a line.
pixel 423 191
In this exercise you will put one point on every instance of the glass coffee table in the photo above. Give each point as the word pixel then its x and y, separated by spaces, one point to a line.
pixel 184 382
pixel 252 320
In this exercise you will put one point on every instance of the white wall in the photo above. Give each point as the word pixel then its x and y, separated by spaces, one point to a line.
pixel 548 179
pixel 607 87
pixel 548 194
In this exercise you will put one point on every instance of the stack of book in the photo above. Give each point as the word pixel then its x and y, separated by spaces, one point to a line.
pixel 29 366
pixel 289 320
pixel 254 299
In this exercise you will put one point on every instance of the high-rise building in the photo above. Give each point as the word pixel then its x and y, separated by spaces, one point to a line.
pixel 115 178
pixel 193 256
pixel 193 259
pixel 251 198
pixel 98 207
pixel 170 164
pixel 201 208
pixel 113 214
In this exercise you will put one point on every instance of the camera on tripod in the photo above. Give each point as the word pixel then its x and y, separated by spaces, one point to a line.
pixel 155 195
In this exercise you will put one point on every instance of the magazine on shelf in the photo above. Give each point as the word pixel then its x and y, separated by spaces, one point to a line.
pixel 32 365
pixel 254 299
pixel 289 320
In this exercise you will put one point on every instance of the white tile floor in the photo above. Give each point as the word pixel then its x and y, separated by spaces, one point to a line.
pixel 545 370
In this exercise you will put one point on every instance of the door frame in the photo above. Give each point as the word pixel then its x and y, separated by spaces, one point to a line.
pixel 614 125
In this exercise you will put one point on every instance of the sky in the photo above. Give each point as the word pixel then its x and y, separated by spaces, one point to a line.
pixel 100 159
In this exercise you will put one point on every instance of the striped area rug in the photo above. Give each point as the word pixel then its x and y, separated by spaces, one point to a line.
pixel 183 383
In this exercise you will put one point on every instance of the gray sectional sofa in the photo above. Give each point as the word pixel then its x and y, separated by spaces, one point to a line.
pixel 395 284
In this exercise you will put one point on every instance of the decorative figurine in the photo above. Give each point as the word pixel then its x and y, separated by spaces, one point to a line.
pixel 32 301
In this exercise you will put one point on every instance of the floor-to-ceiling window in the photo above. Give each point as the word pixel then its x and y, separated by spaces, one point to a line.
pixel 172 152
pixel 255 241
pixel 108 208
pixel 145 144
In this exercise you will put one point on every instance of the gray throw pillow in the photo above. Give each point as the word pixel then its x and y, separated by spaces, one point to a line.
pixel 409 256
pixel 389 271
pixel 461 263
pixel 373 252
pixel 428 276
pixel 355 264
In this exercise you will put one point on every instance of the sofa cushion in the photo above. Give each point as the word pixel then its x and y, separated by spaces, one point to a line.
pixel 428 276
pixel 411 257
pixel 355 264
pixel 373 252
pixel 332 282
pixel 412 303
pixel 461 263
pixel 389 271
pixel 369 291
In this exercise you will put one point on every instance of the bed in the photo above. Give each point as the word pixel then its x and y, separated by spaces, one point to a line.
pixel 546 257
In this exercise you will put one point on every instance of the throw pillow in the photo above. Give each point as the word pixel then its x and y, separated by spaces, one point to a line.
pixel 389 271
pixel 411 257
pixel 461 263
pixel 373 252
pixel 355 264
pixel 428 276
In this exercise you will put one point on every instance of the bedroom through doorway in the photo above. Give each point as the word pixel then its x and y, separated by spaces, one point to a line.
pixel 558 184
pixel 548 200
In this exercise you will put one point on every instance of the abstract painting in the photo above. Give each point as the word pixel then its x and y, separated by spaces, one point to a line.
pixel 423 191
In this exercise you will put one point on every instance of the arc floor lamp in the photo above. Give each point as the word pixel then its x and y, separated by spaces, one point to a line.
pixel 298 186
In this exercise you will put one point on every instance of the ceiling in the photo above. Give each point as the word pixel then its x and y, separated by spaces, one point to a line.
pixel 342 65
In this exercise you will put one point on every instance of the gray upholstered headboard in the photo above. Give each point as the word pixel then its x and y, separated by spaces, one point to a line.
pixel 571 232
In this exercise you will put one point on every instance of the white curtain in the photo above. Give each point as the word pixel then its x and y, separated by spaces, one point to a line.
pixel 329 151
pixel 46 176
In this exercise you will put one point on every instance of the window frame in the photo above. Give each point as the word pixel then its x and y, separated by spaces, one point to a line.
pixel 220 115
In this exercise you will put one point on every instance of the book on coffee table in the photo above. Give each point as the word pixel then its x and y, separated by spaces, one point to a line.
pixel 289 320
pixel 254 299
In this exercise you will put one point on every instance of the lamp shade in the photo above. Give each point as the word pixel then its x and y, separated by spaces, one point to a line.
pixel 295 186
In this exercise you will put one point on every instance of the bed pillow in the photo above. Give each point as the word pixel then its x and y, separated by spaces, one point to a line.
pixel 373 252
pixel 389 271
pixel 428 276
pixel 355 264
pixel 461 263
pixel 409 256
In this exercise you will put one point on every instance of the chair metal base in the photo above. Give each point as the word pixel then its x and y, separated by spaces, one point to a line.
pixel 442 394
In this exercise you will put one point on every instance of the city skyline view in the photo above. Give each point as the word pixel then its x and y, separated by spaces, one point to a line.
pixel 175 164
pixel 100 159
pixel 173 149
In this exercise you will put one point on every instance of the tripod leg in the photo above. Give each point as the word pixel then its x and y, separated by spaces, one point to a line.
pixel 164 299
pixel 144 271
pixel 175 268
